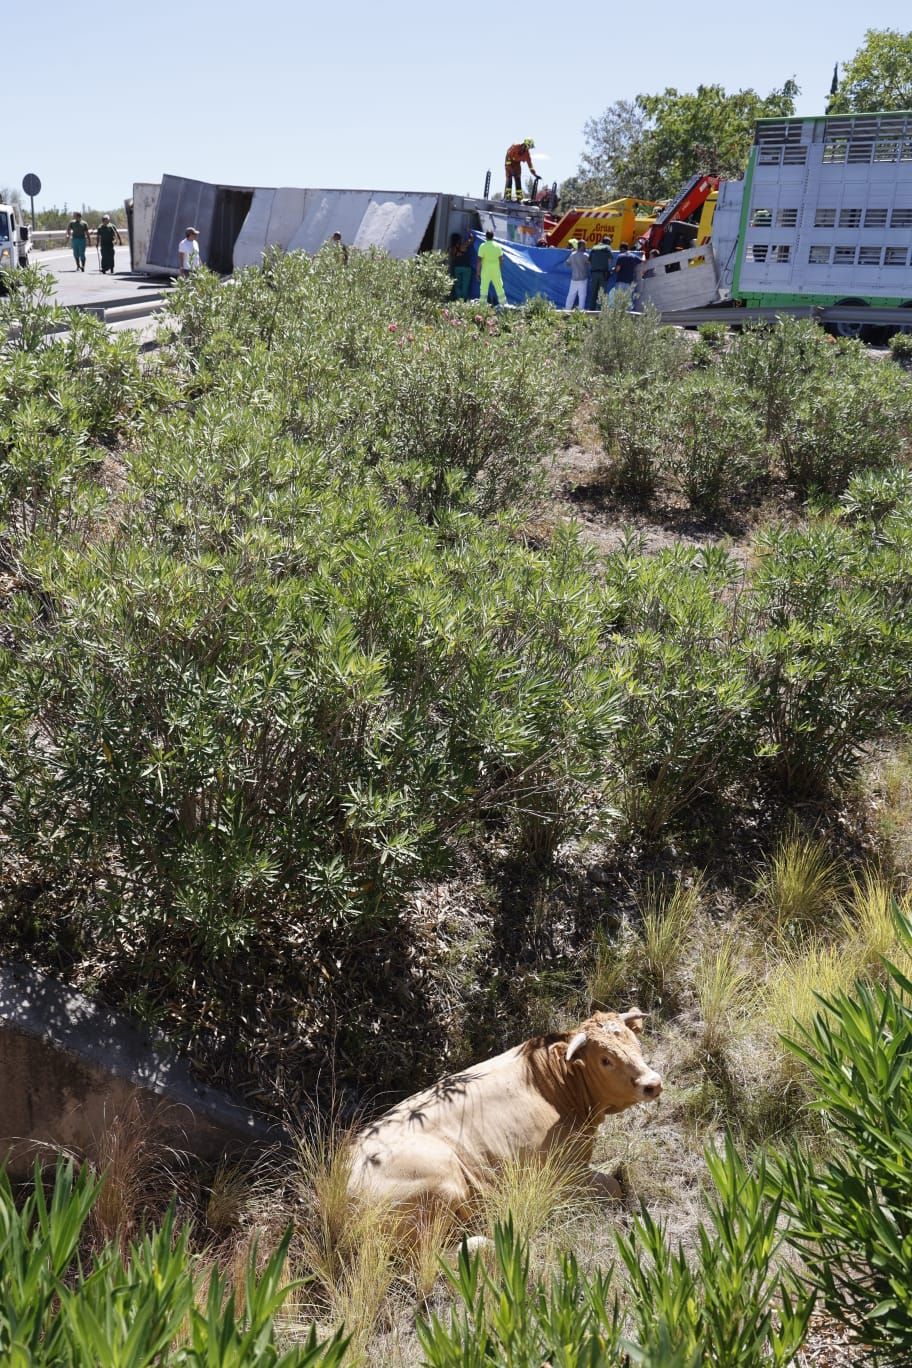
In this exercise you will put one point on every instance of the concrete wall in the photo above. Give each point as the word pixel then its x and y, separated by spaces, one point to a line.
pixel 69 1068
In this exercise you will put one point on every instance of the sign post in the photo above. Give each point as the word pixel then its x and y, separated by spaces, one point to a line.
pixel 31 185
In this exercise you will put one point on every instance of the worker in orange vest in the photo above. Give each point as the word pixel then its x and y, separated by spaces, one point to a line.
pixel 518 154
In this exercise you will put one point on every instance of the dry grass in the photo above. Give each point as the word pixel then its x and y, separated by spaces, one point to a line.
pixel 139 1174
pixel 802 887
pixel 647 961
pixel 725 992
pixel 232 1195
pixel 869 926
pixel 344 1249
pixel 891 786
pixel 541 1194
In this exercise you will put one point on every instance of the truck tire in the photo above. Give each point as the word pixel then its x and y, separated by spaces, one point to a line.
pixel 865 332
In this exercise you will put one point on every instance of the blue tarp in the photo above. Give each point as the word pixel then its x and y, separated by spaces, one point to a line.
pixel 529 271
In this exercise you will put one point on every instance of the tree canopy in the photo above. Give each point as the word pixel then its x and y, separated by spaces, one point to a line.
pixel 879 76
pixel 650 146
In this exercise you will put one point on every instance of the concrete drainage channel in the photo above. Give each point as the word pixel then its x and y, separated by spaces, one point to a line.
pixel 124 310
pixel 74 1071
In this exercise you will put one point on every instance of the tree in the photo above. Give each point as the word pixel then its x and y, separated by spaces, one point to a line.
pixel 612 139
pixel 879 76
pixel 651 146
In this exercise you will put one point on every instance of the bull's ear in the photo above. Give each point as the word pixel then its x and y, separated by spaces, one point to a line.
pixel 634 1018
pixel 575 1044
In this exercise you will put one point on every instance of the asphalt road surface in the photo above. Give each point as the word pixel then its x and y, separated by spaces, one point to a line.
pixel 90 286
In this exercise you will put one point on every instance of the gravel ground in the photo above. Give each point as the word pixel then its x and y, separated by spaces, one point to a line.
pixel 828 1346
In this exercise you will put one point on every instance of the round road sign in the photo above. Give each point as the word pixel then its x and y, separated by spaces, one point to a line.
pixel 31 185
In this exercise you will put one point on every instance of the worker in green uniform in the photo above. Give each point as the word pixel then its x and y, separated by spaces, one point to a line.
pixel 601 260
pixel 105 235
pixel 490 255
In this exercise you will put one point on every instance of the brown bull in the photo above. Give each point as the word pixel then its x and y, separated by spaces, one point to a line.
pixel 441 1145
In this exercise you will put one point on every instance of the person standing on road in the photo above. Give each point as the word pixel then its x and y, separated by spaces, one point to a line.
pixel 578 261
pixel 106 234
pixel 490 255
pixel 188 252
pixel 78 237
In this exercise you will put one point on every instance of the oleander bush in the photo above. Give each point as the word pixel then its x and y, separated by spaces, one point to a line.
pixel 717 451
pixel 635 422
pixel 635 344
pixel 732 1304
pixel 151 1302
pixel 856 417
pixel 849 1212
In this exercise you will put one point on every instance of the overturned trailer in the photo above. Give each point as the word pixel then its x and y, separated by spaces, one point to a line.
pixel 238 224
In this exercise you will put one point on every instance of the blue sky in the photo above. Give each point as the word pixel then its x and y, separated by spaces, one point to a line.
pixel 396 96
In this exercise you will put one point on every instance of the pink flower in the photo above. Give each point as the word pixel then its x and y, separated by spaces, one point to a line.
pixel 479 318
pixel 392 327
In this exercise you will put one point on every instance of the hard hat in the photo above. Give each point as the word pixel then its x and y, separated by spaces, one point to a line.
pixel 529 142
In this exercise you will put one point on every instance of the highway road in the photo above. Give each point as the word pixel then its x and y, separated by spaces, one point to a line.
pixel 90 287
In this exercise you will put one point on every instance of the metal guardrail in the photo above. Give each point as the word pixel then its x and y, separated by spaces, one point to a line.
pixel 47 236
pixel 834 313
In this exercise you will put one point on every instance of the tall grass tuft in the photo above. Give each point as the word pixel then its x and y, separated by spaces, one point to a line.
pixel 539 1194
pixel 802 887
pixel 725 993
pixel 668 913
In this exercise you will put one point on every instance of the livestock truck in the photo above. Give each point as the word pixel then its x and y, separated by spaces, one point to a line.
pixel 822 217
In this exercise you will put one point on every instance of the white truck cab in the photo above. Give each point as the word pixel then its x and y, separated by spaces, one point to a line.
pixel 14 238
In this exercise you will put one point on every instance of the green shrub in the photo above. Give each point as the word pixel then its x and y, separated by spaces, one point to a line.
pixel 734 1307
pixel 635 422
pixel 140 1306
pixel 829 651
pixel 635 344
pixel 776 364
pixel 875 496
pixel 299 724
pixel 690 700
pixel 856 419
pixel 715 335
pixel 707 351
pixel 717 450
pixel 468 417
pixel 900 345
pixel 850 1212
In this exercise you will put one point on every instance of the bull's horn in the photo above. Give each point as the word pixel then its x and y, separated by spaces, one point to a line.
pixel 575 1045
pixel 633 1019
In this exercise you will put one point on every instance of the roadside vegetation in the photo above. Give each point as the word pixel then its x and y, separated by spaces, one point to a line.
pixel 330 746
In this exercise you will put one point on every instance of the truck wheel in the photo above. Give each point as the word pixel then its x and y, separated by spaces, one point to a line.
pixel 862 331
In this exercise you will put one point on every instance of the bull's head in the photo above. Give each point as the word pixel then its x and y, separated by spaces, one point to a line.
pixel 607 1047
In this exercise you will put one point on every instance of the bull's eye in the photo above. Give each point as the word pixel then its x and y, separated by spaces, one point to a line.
pixel 606 1061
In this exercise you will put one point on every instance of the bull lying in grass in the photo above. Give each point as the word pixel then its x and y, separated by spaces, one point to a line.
pixel 440 1146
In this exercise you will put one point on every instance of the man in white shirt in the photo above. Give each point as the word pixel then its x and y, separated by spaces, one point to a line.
pixel 578 261
pixel 188 252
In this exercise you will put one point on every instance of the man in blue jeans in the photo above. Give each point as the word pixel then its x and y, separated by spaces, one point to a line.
pixel 626 267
